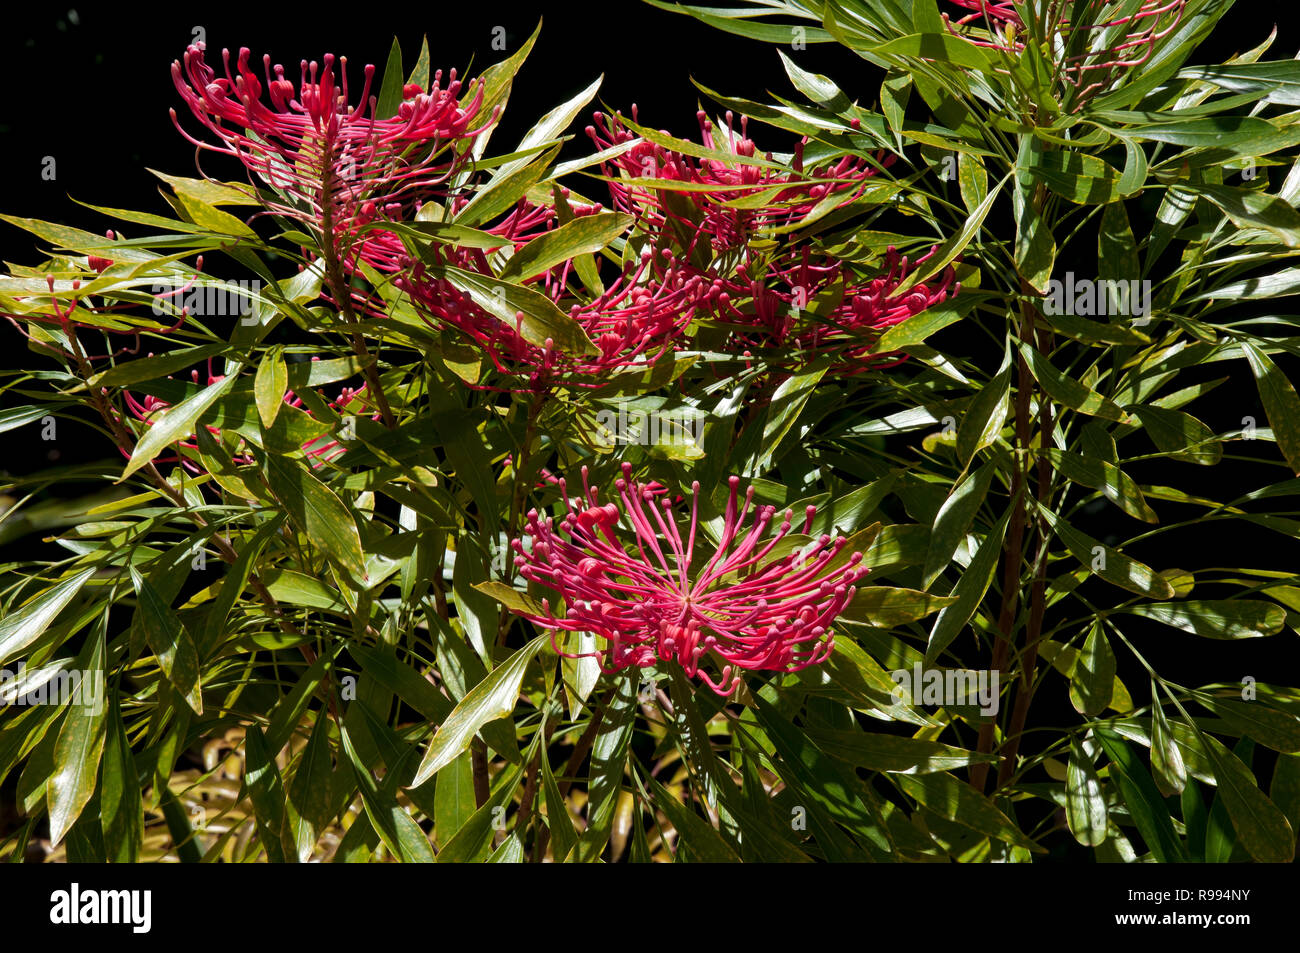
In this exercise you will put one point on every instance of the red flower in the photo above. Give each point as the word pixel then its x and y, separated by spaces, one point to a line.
pixel 333 164
pixel 637 318
pixel 777 310
pixel 786 197
pixel 749 607
pixel 1116 41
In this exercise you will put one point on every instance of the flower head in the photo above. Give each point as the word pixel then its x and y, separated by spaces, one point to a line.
pixel 716 212
pixel 1107 36
pixel 628 574
pixel 330 161
pixel 638 316
pixel 776 312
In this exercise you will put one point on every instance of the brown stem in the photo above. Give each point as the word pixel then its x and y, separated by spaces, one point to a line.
pixel 478 758
pixel 342 292
pixel 1038 593
pixel 1013 551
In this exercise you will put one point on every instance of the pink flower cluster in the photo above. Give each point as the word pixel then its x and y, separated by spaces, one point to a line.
pixel 318 451
pixel 777 312
pixel 333 164
pixel 1128 41
pixel 717 213
pixel 765 295
pixel 753 605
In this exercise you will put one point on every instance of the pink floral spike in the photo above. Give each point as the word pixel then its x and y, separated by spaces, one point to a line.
pixel 852 329
pixel 787 197
pixel 334 164
pixel 748 607
pixel 1132 44
pixel 642 313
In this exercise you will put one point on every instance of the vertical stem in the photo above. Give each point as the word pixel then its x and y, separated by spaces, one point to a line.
pixel 479 762
pixel 342 291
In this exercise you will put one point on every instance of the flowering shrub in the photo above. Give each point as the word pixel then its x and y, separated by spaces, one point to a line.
pixel 917 398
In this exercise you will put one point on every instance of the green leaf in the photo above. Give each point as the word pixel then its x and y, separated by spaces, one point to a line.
pixel 893 753
pixel 390 90
pixel 494 697
pixel 1068 391
pixel 20 628
pixel 453 798
pixel 953 247
pixel 1180 435
pixel 917 328
pixel 1278 81
pixel 1035 247
pixel 816 87
pixel 266 790
pixel 788 401
pixel 397 829
pixel 1113 482
pixel 959 802
pixel 1134 176
pixel 969 591
pixel 120 805
pixel 1241 135
pixel 1081 178
pixel 473 842
pixel 1278 730
pixel 176 423
pixel 698 836
pixel 580 236
pixel 309 791
pixel 1167 766
pixel 317 511
pixel 270 384
pixel 1093 678
pixel 170 641
pixel 208 191
pixel 940 47
pixel 1262 828
pixel 1280 403
pixel 79 747
pixel 1216 619
pixel 1248 208
pixel 511 182
pixel 1085 805
pixel 609 754
pixel 985 415
pixel 972 180
pixel 381 664
pixel 1110 564
pixel 953 521
pixel 153 368
pixel 213 219
pixel 558 820
pixel 1117 257
pixel 1145 804
pixel 885 608
pixel 512 599
pixel 541 320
